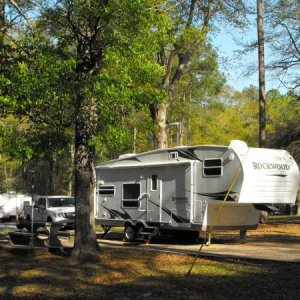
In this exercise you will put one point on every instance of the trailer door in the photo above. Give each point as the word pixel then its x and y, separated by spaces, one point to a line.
pixel 176 195
pixel 154 198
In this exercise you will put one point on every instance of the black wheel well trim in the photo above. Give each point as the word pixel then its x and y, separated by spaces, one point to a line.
pixel 140 223
pixel 128 223
pixel 137 223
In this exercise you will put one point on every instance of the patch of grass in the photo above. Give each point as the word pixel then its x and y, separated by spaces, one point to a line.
pixel 113 229
pixel 144 275
pixel 285 218
pixel 5 231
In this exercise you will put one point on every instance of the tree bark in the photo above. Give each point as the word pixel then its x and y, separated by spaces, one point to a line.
pixel 52 170
pixel 86 246
pixel 71 171
pixel 6 177
pixel 2 13
pixel 261 70
pixel 159 116
pixel 262 86
pixel 90 48
pixel 2 21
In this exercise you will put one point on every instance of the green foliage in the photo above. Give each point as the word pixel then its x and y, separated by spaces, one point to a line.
pixel 43 77
pixel 14 138
pixel 232 115
pixel 39 81
pixel 283 118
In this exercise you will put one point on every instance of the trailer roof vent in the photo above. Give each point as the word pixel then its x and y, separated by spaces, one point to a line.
pixel 126 155
pixel 173 155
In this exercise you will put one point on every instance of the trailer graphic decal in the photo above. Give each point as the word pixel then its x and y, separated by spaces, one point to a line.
pixel 188 154
pixel 117 214
pixel 176 218
pixel 270 166
pixel 219 196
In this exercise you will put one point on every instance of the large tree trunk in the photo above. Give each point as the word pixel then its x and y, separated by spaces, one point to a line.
pixel 52 176
pixel 2 14
pixel 86 245
pixel 90 49
pixel 71 171
pixel 262 86
pixel 159 116
pixel 2 21
pixel 261 69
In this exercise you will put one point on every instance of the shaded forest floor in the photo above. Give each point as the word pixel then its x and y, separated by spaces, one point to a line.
pixel 124 274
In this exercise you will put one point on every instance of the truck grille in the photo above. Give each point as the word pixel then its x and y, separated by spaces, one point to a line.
pixel 70 215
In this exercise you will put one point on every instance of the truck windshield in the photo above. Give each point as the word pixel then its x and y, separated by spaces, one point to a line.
pixel 59 202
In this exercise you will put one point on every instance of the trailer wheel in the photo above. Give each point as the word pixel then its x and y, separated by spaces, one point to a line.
pixel 129 233
pixel 20 225
pixel 138 230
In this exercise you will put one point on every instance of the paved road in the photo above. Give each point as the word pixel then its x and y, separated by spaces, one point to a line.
pixel 4 226
pixel 288 251
pixel 252 249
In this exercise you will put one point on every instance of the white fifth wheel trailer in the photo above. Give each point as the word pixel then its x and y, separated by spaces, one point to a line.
pixel 11 204
pixel 183 188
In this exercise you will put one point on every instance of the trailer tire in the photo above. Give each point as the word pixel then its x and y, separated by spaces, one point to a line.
pixel 20 225
pixel 192 236
pixel 129 233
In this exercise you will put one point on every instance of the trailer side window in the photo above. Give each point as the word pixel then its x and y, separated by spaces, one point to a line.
pixel 213 167
pixel 154 183
pixel 107 190
pixel 131 193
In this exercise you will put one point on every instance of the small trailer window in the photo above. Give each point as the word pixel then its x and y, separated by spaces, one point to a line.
pixel 107 190
pixel 154 183
pixel 212 167
pixel 131 193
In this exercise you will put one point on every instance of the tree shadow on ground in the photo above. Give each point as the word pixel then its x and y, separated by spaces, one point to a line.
pixel 139 275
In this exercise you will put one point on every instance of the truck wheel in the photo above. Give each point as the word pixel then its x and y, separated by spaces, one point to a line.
pixel 129 233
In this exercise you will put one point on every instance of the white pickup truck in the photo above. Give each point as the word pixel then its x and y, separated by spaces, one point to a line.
pixel 51 209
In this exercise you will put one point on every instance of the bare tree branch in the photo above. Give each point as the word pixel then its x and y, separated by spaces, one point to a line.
pixel 16 6
pixel 291 38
